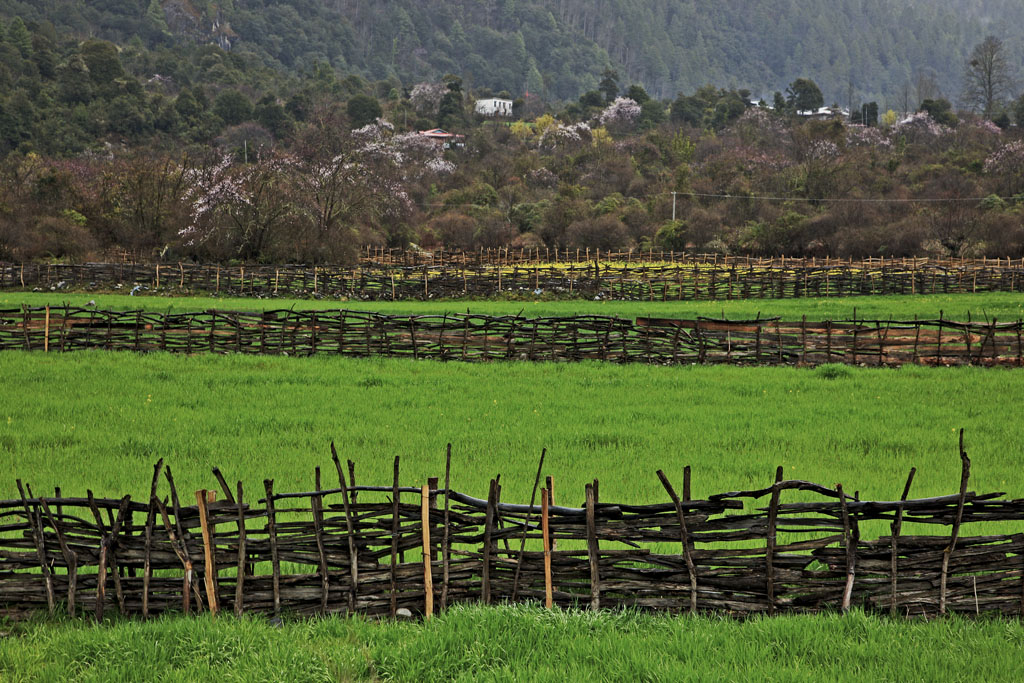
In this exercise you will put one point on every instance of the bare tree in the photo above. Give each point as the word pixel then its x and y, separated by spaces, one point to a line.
pixel 987 76
pixel 926 87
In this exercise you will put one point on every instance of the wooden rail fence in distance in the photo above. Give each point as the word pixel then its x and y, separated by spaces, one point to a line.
pixel 762 341
pixel 625 280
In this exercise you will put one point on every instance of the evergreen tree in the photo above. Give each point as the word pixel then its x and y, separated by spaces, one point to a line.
pixel 609 85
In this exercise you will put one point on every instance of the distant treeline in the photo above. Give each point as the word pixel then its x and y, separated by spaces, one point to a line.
pixel 193 152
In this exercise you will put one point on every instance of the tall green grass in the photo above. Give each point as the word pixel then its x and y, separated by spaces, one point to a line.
pixel 100 420
pixel 520 643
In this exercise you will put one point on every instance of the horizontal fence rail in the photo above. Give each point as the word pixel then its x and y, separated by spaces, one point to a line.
pixel 375 550
pixel 694 279
pixel 763 341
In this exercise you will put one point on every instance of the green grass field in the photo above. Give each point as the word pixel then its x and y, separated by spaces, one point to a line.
pixel 521 643
pixel 100 420
pixel 1001 305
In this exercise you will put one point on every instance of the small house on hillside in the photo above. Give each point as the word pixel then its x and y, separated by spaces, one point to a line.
pixel 444 138
pixel 494 106
pixel 824 113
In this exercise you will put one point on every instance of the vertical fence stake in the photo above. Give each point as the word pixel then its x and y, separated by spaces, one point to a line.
pixel 769 553
pixel 428 578
pixel 897 525
pixel 593 549
pixel 446 543
pixel 240 581
pixel 210 569
pixel 275 561
pixel 352 479
pixel 485 588
pixel 318 529
pixel 526 526
pixel 965 473
pixel 147 569
pixel 394 541
pixel 353 556
pixel 683 535
pixel 70 557
pixel 546 538
pixel 851 556
pixel 40 543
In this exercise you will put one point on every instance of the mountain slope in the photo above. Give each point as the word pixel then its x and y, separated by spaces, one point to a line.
pixel 854 49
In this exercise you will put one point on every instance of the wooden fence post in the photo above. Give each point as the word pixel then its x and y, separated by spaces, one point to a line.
pixel 769 553
pixel 39 541
pixel 593 551
pixel 275 560
pixel 485 588
pixel 684 536
pixel 240 580
pixel 851 552
pixel 210 571
pixel 394 541
pixel 316 502
pixel 897 525
pixel 546 536
pixel 353 556
pixel 428 578
pixel 446 543
pixel 965 473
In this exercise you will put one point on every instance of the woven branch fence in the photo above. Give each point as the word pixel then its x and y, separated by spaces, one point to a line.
pixel 376 549
pixel 764 341
pixel 506 256
pixel 693 280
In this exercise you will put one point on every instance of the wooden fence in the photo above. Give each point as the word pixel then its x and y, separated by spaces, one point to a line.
pixel 689 280
pixel 764 341
pixel 376 549
pixel 506 256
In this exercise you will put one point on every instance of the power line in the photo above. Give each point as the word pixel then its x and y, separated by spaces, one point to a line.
pixel 851 200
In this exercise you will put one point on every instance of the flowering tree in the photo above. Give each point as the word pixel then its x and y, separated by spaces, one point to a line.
pixel 561 135
pixel 238 209
pixel 426 97
pixel 1007 164
pixel 920 127
pixel 621 115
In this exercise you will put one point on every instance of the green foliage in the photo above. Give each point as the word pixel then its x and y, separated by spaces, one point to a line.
pixel 637 93
pixel 232 107
pixel 993 202
pixel 803 94
pixel 652 113
pixel 941 111
pixel 363 109
pixel 609 84
pixel 672 236
pixel 688 110
pixel 667 47
pixel 102 61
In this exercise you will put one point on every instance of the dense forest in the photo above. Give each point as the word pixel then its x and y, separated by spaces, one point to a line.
pixel 855 50
pixel 160 129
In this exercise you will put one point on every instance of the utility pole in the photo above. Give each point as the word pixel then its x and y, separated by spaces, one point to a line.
pixel 673 207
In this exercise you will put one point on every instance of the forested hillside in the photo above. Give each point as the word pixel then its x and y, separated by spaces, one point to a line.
pixel 884 50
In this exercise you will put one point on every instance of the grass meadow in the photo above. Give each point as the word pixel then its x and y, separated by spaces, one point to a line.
pixel 519 643
pixel 100 420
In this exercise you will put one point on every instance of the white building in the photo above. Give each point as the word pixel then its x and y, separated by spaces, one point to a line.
pixel 494 107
